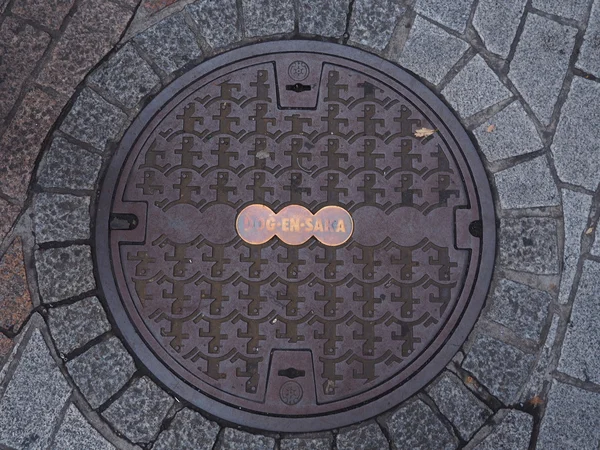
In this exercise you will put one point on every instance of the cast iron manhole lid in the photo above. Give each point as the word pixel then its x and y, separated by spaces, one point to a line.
pixel 280 250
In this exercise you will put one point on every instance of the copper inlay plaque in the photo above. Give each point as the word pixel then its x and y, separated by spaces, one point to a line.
pixel 278 247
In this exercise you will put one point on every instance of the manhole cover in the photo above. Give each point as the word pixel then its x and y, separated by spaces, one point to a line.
pixel 280 250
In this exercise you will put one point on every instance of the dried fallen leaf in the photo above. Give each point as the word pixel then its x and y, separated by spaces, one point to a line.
pixel 491 128
pixel 424 132
pixel 263 154
pixel 469 380
pixel 589 231
pixel 535 401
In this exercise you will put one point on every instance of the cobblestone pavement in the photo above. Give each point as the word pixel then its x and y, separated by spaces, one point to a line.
pixel 523 77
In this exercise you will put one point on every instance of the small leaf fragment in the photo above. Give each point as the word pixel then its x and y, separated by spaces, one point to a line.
pixel 589 231
pixel 424 132
pixel 536 400
pixel 491 128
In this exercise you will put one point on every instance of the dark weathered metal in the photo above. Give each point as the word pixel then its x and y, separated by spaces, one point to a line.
pixel 292 334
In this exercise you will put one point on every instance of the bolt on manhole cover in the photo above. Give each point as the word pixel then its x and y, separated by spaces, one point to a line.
pixel 279 249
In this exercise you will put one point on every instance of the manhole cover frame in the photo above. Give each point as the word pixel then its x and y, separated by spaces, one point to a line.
pixel 141 350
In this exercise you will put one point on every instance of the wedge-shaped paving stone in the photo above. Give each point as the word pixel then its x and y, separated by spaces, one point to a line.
pixel 139 412
pixel 369 437
pixel 15 298
pixel 431 52
pixel 452 13
pixel 530 245
pixel 66 165
pixel 217 21
pixel 540 63
pixel 578 357
pixel 101 371
pixel 500 367
pixel 459 405
pixel 415 426
pixel 93 120
pixel 497 23
pixel 589 54
pixel 170 44
pixel 575 144
pixel 64 272
pixel 264 17
pixel 126 77
pixel 373 22
pixel 76 433
pixel 476 87
pixel 513 433
pixel 521 308
pixel 233 439
pixel 74 325
pixel 571 9
pixel 61 217
pixel 571 420
pixel 305 444
pixel 188 430
pixel 508 133
pixel 576 209
pixel 323 17
pixel 34 397
pixel 527 185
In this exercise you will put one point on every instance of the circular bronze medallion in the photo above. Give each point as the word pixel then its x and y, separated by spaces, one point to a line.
pixel 286 254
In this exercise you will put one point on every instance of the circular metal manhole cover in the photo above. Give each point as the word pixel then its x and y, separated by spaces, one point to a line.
pixel 278 247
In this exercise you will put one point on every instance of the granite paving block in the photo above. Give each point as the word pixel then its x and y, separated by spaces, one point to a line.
pixel 74 325
pixel 188 430
pixel 373 22
pixel 508 133
pixel 64 272
pixel 577 358
pixel 76 433
pixel 571 420
pixel 575 145
pixel 154 6
pixel 529 244
pixel 503 374
pixel 459 405
pixel 571 9
pixel 8 214
pixel 93 120
pixel 540 63
pixel 61 217
pixel 31 405
pixel 6 346
pixel 126 77
pixel 519 307
pixel 451 13
pixel 430 51
pixel 264 17
pixel 415 426
pixel 49 13
pixel 513 433
pixel 22 48
pixel 99 15
pixel 497 21
pixel 15 299
pixel 233 439
pixel 170 44
pixel 323 17
pixel 576 209
pixel 139 412
pixel 475 88
pixel 596 246
pixel 217 22
pixel 369 437
pixel 101 371
pixel 589 54
pixel 527 185
pixel 305 444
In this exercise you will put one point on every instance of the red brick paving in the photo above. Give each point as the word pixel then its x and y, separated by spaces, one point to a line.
pixel 15 300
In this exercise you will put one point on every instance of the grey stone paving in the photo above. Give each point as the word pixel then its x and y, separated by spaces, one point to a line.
pixel 34 397
pixel 217 22
pixel 512 133
pixel 497 21
pixel 305 444
pixel 188 430
pixel 589 55
pixel 513 433
pixel 451 13
pixel 475 76
pixel 572 419
pixel 519 307
pixel 430 51
pixel 527 185
pixel 578 358
pixel 572 9
pixel 365 437
pixel 264 18
pixel 61 217
pixel 540 63
pixel 233 439
pixel 74 325
pixel 323 17
pixel 76 433
pixel 373 22
pixel 575 145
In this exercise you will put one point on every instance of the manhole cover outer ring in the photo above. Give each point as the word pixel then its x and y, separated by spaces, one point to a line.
pixel 340 418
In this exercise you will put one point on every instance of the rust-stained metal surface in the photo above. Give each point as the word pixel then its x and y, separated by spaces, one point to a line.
pixel 283 329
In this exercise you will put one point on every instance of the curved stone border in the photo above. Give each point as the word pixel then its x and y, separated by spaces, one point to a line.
pixel 503 374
